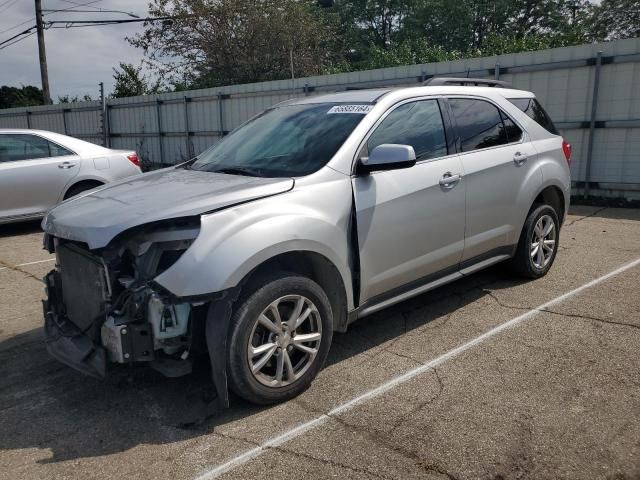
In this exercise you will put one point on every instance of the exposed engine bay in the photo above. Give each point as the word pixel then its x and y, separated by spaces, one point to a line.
pixel 103 306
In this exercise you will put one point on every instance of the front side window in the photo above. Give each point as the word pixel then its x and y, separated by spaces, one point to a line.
pixel 288 141
pixel 14 147
pixel 481 125
pixel 418 124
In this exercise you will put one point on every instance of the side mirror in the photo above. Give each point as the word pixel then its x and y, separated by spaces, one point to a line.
pixel 388 156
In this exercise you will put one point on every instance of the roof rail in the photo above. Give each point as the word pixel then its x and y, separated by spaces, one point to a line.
pixel 478 82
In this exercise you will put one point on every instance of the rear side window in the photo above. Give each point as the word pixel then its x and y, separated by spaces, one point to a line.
pixel 533 109
pixel 512 131
pixel 418 124
pixel 482 125
pixel 15 147
pixel 56 150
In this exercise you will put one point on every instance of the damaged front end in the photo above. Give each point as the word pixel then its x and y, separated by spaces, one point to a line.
pixel 103 307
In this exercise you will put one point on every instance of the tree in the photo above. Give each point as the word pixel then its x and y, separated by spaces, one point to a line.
pixel 218 42
pixel 69 99
pixel 223 42
pixel 615 19
pixel 25 96
pixel 130 82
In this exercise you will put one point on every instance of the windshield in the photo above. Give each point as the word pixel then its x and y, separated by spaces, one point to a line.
pixel 287 141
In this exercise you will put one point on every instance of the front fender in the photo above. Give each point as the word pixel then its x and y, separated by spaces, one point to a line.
pixel 235 241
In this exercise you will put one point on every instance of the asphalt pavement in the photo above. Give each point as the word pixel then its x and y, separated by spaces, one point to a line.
pixel 491 377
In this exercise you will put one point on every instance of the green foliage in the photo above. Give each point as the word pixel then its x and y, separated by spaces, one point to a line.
pixel 131 82
pixel 614 19
pixel 220 42
pixel 237 41
pixel 406 53
pixel 73 99
pixel 25 96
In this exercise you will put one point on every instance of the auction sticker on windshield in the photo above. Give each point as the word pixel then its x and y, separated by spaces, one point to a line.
pixel 362 109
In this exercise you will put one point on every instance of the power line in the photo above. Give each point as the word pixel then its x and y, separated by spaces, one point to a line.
pixel 16 41
pixel 18 25
pixel 7 4
pixel 77 24
pixel 70 9
pixel 71 23
pixel 91 11
pixel 97 23
pixel 76 4
pixel 28 30
pixel 108 22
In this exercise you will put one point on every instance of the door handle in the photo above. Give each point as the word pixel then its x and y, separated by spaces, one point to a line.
pixel 66 165
pixel 449 180
pixel 519 158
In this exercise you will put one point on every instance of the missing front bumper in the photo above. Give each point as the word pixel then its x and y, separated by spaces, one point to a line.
pixel 71 347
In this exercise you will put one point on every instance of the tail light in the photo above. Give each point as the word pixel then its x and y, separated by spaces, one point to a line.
pixel 566 149
pixel 133 158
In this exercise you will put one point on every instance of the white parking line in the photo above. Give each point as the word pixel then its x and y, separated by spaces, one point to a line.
pixel 319 420
pixel 31 263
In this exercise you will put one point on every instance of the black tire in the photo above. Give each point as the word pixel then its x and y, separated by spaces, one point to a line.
pixel 523 263
pixel 79 188
pixel 244 328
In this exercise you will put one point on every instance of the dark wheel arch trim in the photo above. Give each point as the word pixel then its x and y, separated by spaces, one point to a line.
pixel 89 183
pixel 218 319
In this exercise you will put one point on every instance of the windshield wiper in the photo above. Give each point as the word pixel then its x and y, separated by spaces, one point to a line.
pixel 248 172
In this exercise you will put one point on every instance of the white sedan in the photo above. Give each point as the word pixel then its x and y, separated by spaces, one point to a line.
pixel 39 169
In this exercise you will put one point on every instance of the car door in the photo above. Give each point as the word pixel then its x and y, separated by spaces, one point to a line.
pixel 410 221
pixel 498 161
pixel 33 174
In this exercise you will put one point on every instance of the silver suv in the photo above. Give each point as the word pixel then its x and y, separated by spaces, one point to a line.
pixel 315 213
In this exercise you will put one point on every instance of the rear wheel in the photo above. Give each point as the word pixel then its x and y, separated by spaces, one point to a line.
pixel 538 242
pixel 279 339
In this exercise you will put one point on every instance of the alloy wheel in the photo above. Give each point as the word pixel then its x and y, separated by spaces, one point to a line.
pixel 284 341
pixel 543 242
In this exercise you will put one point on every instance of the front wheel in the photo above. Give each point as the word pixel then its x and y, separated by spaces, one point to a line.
pixel 538 243
pixel 280 336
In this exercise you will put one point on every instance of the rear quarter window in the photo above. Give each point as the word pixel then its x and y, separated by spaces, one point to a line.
pixel 534 110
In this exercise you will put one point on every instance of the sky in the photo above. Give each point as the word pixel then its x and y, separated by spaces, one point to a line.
pixel 78 58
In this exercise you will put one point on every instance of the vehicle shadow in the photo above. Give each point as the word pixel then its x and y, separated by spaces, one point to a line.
pixel 21 228
pixel 45 405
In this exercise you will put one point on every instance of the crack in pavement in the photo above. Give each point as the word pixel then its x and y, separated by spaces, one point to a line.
pixel 421 405
pixel 330 462
pixel 592 214
pixel 380 438
pixel 373 436
pixel 14 268
pixel 595 319
pixel 563 314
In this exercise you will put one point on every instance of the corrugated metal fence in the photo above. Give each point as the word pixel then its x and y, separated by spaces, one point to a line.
pixel 171 127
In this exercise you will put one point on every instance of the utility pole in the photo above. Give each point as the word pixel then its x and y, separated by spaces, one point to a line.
pixel 44 74
pixel 104 118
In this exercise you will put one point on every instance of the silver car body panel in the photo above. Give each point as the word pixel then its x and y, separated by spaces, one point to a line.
pixel 412 234
pixel 98 216
pixel 314 216
pixel 28 188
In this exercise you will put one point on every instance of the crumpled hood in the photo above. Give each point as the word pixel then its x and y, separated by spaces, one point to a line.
pixel 96 218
